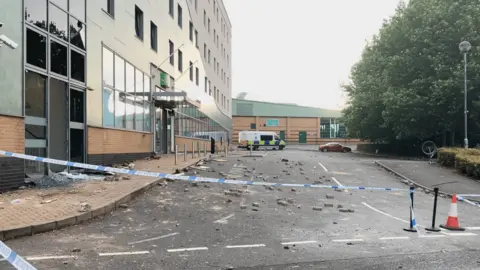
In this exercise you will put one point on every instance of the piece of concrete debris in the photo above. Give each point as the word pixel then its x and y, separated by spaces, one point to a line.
pixel 185 190
pixel 288 173
pixel 285 171
pixel 194 184
pixel 329 196
pixel 222 174
pixel 293 190
pixel 126 177
pixel 229 200
pixel 328 205
pixel 317 182
pixel 269 188
pixel 290 200
pixel 351 210
pixel 344 210
pixel 301 169
pixel 131 166
pixel 109 178
pixel 255 209
pixel 123 205
pixel 275 177
pixel 284 160
pixel 85 207
pixel 339 206
pixel 243 206
pixel 255 204
pixel 76 250
pixel 338 190
pixel 282 202
pixel 317 208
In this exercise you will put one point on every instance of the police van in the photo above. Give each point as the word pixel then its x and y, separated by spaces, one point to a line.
pixel 257 139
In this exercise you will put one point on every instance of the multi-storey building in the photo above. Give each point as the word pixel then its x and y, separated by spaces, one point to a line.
pixel 107 81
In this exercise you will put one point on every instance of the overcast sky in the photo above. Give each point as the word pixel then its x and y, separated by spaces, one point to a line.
pixel 300 51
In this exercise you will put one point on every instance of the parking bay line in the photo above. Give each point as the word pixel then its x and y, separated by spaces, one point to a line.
pixel 323 167
pixel 300 242
pixel 187 249
pixel 154 238
pixel 395 238
pixel 338 183
pixel 124 253
pixel 246 246
pixel 348 240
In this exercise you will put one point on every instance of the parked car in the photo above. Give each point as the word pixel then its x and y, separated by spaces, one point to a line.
pixel 334 147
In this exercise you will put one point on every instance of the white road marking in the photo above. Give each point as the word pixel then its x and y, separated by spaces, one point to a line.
pixel 338 183
pixel 187 249
pixel 432 236
pixel 224 220
pixel 460 234
pixel 124 253
pixel 394 238
pixel 347 240
pixel 472 228
pixel 154 238
pixel 300 242
pixel 246 246
pixel 388 215
pixel 321 165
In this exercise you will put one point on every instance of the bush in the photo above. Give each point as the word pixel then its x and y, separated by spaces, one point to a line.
pixel 466 161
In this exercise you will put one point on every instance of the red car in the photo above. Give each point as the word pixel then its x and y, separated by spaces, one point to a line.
pixel 334 147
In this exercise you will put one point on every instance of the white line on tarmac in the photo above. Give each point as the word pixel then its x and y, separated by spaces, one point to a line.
pixel 348 240
pixel 321 165
pixel 246 246
pixel 300 242
pixel 41 258
pixel 395 238
pixel 338 183
pixel 472 228
pixel 460 234
pixel 124 253
pixel 432 236
pixel 154 238
pixel 224 220
pixel 187 249
pixel 388 215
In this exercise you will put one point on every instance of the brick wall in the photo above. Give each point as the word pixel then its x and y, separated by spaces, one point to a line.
pixel 12 138
pixel 291 125
pixel 113 146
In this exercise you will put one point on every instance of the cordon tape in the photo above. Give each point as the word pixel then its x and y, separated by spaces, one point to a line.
pixel 183 177
pixel 15 260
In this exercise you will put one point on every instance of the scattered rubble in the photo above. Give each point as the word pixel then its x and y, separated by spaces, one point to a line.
pixel 290 200
pixel 243 206
pixel 317 208
pixel 329 196
pixel 284 160
pixel 85 207
pixel 123 205
pixel 255 204
pixel 339 206
pixel 328 205
pixel 282 202
pixel 76 250
pixel 344 210
pixel 293 190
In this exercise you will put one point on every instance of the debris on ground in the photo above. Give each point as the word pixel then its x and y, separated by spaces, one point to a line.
pixel 344 210
pixel 243 206
pixel 328 205
pixel 290 200
pixel 282 202
pixel 317 208
pixel 76 250
pixel 329 196
pixel 255 204
pixel 339 206
pixel 123 205
pixel 269 187
pixel 284 160
pixel 85 207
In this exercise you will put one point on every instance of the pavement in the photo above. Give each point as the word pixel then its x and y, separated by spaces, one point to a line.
pixel 185 225
pixel 32 210
pixel 431 175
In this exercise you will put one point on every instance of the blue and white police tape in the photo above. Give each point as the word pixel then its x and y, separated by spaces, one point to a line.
pixel 183 177
pixel 462 199
pixel 13 258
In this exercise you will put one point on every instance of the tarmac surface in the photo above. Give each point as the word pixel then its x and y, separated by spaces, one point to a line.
pixel 183 225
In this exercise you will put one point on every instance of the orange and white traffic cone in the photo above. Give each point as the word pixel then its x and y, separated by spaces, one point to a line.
pixel 452 220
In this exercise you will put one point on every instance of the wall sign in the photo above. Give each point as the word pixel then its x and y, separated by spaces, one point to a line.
pixel 271 123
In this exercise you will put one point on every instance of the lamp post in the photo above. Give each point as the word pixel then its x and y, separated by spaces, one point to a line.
pixel 465 47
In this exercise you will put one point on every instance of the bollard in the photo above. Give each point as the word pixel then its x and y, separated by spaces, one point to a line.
pixel 251 147
pixel 184 152
pixel 193 149
pixel 413 224
pixel 433 228
pixel 176 154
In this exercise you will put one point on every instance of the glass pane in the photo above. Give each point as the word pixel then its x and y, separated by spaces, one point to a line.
pixel 58 54
pixel 77 9
pixel 119 109
pixel 62 3
pixel 77 145
pixel 77 105
pixel 129 111
pixel 36 49
pixel 108 107
pixel 119 73
pixel 35 95
pixel 146 109
pixel 35 132
pixel 58 22
pixel 77 66
pixel 139 117
pixel 36 12
pixel 32 166
pixel 146 83
pixel 129 78
pixel 138 81
pixel 107 67
pixel 77 33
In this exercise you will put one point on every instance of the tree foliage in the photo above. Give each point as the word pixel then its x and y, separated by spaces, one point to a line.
pixel 409 81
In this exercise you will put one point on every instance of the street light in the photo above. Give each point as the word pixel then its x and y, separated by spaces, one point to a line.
pixel 465 47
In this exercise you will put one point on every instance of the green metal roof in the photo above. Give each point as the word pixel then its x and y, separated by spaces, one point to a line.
pixel 244 107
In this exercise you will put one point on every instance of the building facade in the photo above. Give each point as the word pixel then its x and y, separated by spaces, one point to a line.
pixel 294 124
pixel 107 81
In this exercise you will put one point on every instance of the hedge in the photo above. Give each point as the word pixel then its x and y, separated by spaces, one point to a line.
pixel 466 161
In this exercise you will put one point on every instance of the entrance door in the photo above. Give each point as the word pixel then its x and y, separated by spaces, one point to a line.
pixel 58 143
pixel 77 125
pixel 302 137
pixel 282 135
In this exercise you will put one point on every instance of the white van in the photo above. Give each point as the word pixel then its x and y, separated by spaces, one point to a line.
pixel 259 139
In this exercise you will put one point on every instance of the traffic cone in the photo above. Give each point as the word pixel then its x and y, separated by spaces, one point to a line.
pixel 452 220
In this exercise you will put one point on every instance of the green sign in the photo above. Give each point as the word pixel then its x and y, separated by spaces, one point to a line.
pixel 271 123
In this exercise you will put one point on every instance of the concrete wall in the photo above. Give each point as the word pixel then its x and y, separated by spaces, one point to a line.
pixel 118 34
pixel 11 60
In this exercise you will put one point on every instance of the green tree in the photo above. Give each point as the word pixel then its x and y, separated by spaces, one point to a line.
pixel 409 81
